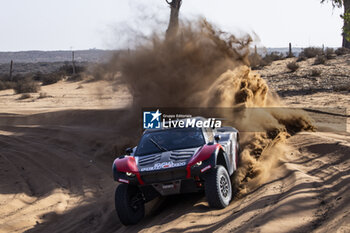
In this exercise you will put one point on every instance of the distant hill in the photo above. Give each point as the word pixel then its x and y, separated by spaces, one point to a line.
pixel 92 55
pixel 285 50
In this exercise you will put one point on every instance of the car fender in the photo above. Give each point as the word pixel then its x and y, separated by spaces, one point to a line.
pixel 124 165
pixel 208 153
pixel 228 165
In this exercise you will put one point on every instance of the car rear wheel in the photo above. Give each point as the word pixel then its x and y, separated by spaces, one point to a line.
pixel 129 204
pixel 218 189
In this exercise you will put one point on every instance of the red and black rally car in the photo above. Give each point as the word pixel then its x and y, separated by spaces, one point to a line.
pixel 170 161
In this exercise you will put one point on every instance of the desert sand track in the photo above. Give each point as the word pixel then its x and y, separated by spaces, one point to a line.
pixel 55 175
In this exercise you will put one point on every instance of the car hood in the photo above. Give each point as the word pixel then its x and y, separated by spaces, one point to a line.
pixel 165 160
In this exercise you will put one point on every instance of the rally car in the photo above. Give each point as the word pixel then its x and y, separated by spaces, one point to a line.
pixel 170 161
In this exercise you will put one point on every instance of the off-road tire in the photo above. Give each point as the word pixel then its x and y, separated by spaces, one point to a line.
pixel 218 189
pixel 128 214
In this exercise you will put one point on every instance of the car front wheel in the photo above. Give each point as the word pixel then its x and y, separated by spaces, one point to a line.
pixel 218 189
pixel 129 204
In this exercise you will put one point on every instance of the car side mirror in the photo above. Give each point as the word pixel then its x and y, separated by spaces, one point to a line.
pixel 128 151
pixel 217 138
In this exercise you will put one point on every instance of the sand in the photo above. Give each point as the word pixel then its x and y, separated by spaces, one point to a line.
pixel 55 170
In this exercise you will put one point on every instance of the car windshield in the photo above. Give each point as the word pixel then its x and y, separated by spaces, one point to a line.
pixel 170 139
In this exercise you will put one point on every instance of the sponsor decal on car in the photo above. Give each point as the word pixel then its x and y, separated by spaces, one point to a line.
pixel 123 181
pixel 164 165
pixel 168 186
pixel 205 168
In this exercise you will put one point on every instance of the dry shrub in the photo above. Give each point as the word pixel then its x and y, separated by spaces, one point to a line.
pixel 98 73
pixel 329 53
pixel 320 60
pixel 43 95
pixel 104 71
pixel 26 85
pixel 38 76
pixel 64 71
pixel 4 77
pixel 315 72
pixel 273 56
pixel 256 61
pixel 290 55
pixel 25 96
pixel 345 87
pixel 51 78
pixel 342 51
pixel 4 85
pixel 301 57
pixel 292 66
pixel 47 79
pixel 76 77
pixel 20 77
pixel 67 69
pixel 311 52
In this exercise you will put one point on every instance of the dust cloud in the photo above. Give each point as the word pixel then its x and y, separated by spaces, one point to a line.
pixel 203 66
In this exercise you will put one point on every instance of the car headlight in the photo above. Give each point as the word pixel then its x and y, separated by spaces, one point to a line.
pixel 130 174
pixel 199 163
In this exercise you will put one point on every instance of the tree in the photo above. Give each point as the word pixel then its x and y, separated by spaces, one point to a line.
pixel 345 17
pixel 174 18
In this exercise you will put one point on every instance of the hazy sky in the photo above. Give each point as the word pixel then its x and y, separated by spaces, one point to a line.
pixel 105 24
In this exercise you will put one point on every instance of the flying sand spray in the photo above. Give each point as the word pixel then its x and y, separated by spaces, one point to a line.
pixel 203 66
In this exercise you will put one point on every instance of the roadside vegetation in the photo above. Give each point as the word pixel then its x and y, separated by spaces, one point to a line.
pixel 257 61
pixel 32 82
pixel 292 66
pixel 319 55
